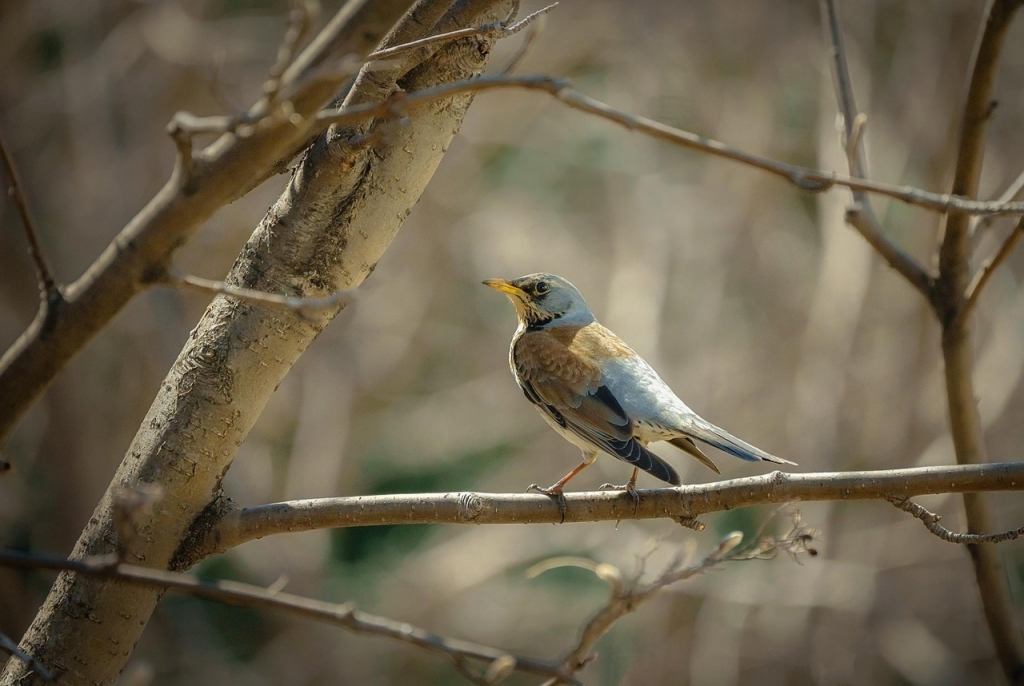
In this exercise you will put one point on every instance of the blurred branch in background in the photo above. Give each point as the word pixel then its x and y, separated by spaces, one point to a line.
pixel 47 284
pixel 344 615
pixel 860 215
pixel 626 596
pixel 240 525
pixel 228 167
pixel 952 303
pixel 199 185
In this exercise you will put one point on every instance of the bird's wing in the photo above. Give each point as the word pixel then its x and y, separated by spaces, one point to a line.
pixel 570 389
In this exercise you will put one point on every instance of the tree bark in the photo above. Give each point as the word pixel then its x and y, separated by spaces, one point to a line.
pixel 339 213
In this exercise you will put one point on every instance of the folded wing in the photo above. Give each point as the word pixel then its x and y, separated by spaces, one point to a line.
pixel 570 390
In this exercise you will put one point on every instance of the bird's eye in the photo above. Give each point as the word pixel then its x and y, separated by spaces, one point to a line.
pixel 541 288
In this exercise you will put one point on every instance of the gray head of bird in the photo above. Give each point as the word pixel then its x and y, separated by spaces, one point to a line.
pixel 544 299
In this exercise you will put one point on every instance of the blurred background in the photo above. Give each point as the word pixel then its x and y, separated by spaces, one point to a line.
pixel 754 301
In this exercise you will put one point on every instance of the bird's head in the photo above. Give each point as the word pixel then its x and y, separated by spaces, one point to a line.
pixel 544 299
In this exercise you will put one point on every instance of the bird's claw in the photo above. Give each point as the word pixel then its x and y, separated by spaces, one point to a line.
pixel 629 487
pixel 555 493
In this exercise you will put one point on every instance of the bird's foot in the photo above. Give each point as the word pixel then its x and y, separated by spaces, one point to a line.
pixel 552 492
pixel 629 487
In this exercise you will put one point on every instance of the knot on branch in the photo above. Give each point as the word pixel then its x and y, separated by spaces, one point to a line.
pixel 471 506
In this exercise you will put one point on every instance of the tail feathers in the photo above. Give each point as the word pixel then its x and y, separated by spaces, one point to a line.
pixel 723 440
pixel 686 444
pixel 637 455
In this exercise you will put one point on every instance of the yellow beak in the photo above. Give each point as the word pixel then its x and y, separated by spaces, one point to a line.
pixel 505 287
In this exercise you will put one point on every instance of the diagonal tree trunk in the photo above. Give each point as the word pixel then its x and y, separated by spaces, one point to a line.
pixel 343 206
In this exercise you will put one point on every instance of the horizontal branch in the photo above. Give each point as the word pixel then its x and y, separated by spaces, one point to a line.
pixel 805 178
pixel 247 595
pixel 685 502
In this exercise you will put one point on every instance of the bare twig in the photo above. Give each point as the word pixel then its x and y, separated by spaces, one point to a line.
pixel 860 214
pixel 805 178
pixel 9 646
pixel 950 303
pixel 300 22
pixel 241 525
pixel 931 522
pixel 531 37
pixel 979 223
pixel 626 597
pixel 47 284
pixel 987 269
pixel 247 595
pixel 495 30
pixel 339 299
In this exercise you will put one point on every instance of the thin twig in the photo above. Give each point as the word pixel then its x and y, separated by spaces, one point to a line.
pixel 300 21
pixel 626 597
pixel 47 285
pixel 495 30
pixel 247 595
pixel 1011 193
pixel 9 646
pixel 860 214
pixel 241 525
pixel 805 178
pixel 338 299
pixel 931 522
pixel 987 269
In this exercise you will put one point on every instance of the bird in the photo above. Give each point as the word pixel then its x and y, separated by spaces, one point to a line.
pixel 597 392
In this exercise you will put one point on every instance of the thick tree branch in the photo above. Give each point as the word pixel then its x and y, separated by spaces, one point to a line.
pixel 216 176
pixel 344 615
pixel 861 215
pixel 324 234
pixel 957 346
pixel 240 525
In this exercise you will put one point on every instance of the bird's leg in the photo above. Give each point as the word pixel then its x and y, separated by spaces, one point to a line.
pixel 628 487
pixel 555 489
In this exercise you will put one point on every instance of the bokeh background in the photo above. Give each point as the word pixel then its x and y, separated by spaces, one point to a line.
pixel 765 313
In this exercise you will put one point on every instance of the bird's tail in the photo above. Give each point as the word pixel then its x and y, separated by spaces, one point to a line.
pixel 708 433
pixel 633 452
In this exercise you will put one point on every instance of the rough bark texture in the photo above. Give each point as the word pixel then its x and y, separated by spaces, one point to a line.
pixel 340 212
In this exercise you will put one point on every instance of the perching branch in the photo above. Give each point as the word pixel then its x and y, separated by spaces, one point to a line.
pixel 860 215
pixel 344 615
pixel 47 285
pixel 240 525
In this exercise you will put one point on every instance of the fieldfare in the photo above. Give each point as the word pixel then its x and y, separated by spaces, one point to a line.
pixel 596 392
